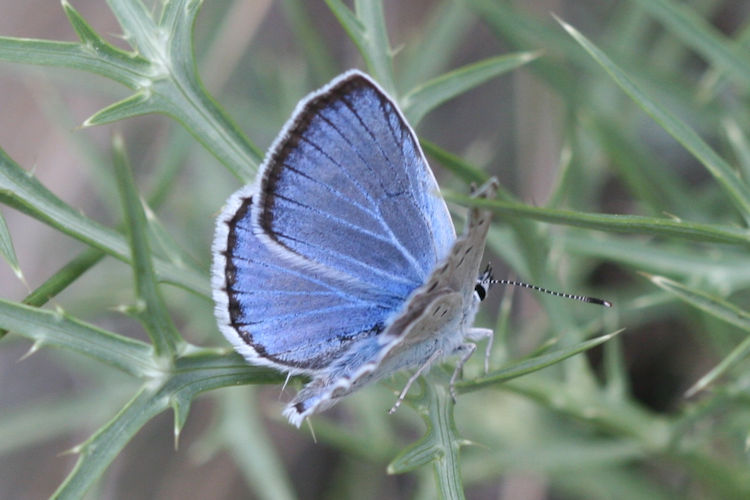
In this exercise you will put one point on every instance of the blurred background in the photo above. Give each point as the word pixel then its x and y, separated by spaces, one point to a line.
pixel 548 131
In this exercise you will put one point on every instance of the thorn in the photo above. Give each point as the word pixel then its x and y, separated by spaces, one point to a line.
pixel 75 450
pixel 176 438
pixel 312 431
pixel 34 348
pixel 696 388
pixel 288 376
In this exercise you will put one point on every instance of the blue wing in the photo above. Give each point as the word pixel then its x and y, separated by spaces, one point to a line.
pixel 344 224
pixel 348 187
pixel 277 312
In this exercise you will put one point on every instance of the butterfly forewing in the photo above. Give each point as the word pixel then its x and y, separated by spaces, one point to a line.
pixel 448 293
pixel 349 189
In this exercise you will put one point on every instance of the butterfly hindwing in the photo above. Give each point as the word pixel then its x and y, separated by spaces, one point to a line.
pixel 276 312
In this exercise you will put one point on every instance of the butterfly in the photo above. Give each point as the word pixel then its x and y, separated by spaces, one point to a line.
pixel 341 261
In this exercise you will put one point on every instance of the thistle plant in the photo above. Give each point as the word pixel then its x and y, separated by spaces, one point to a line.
pixel 543 406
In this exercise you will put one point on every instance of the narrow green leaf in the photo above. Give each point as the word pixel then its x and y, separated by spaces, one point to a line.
pixel 615 223
pixel 415 455
pixel 657 187
pixel 715 78
pixel 178 20
pixel 596 409
pixel 722 172
pixel 523 30
pixel 140 103
pixel 531 365
pixel 378 49
pixel 180 404
pixel 615 370
pixel 702 37
pixel 426 97
pixel 440 38
pixel 84 30
pixel 128 69
pixel 139 28
pixel 731 360
pixel 199 371
pixel 62 278
pixel 203 369
pixel 460 168
pixel 57 329
pixel 728 269
pixel 186 99
pixel 7 250
pixel 24 192
pixel 740 145
pixel 706 302
pixel 165 245
pixel 353 26
pixel 367 30
pixel 153 314
pixel 719 308
pixel 310 40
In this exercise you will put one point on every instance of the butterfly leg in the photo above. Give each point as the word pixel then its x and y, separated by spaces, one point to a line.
pixel 435 356
pixel 467 349
pixel 477 334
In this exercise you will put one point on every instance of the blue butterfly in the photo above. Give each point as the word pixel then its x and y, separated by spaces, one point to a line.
pixel 341 261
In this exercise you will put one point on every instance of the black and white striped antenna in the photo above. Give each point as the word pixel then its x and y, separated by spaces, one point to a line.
pixel 486 279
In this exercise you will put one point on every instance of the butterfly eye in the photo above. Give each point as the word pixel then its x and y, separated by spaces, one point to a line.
pixel 480 291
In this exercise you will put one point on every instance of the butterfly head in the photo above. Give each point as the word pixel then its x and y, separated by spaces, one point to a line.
pixel 484 282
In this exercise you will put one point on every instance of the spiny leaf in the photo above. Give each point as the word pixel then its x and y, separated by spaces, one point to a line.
pixel 97 452
pixel 85 32
pixel 200 370
pixel 155 317
pixel 139 28
pixel 616 223
pixel 22 191
pixel 61 279
pixel 140 103
pixel 122 67
pixel 440 444
pixel 56 329
pixel 416 455
pixel 180 404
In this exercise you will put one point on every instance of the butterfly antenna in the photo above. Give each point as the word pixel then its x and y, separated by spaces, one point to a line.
pixel 582 298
